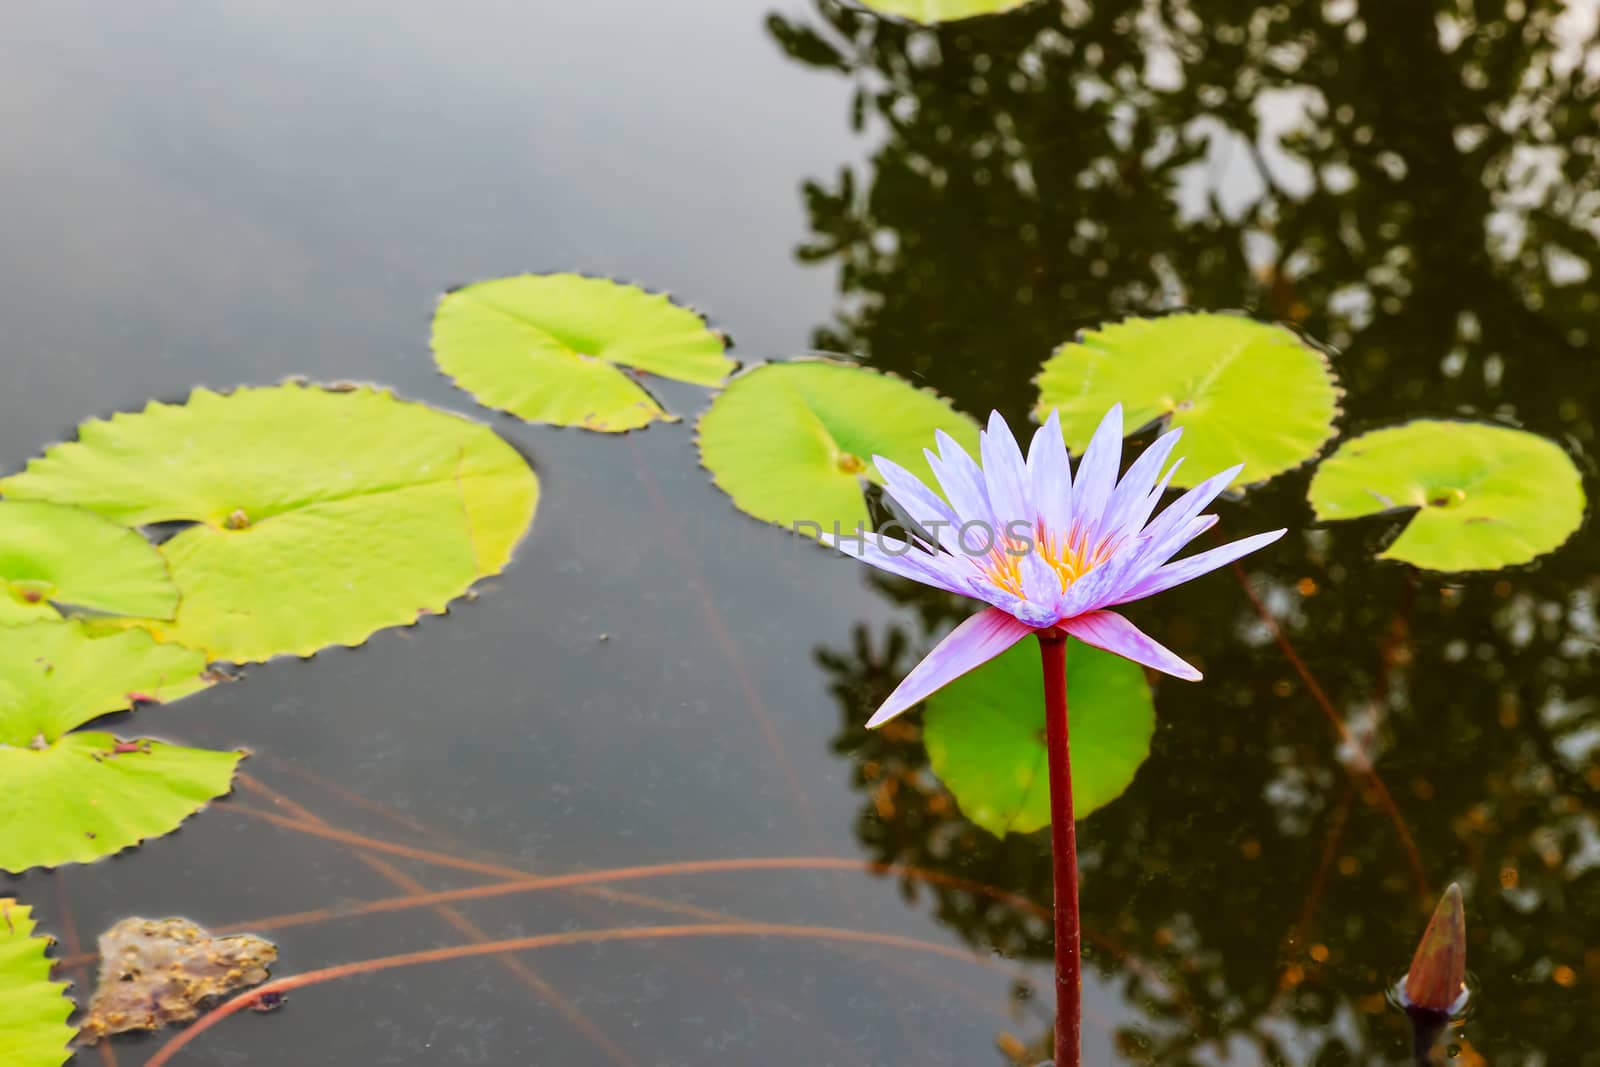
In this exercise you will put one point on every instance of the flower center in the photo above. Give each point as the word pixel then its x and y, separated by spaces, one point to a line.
pixel 1071 556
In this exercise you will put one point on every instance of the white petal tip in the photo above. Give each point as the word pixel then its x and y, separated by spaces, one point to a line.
pixel 882 716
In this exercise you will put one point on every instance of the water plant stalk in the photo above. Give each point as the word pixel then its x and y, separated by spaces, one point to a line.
pixel 1064 849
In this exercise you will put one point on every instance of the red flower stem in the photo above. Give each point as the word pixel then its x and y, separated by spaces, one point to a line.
pixel 1064 849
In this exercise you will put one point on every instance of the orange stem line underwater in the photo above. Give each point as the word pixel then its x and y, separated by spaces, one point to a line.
pixel 524 881
pixel 461 924
pixel 689 568
pixel 351 797
pixel 534 884
pixel 687 966
pixel 718 629
pixel 520 877
pixel 1301 930
pixel 1366 770
pixel 280 986
pixel 438 837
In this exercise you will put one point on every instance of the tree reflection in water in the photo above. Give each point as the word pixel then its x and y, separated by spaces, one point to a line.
pixel 1417 185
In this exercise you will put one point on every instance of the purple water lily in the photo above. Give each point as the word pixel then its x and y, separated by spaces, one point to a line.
pixel 1044 549
pixel 1050 554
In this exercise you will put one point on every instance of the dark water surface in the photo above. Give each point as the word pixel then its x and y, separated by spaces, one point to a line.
pixel 222 194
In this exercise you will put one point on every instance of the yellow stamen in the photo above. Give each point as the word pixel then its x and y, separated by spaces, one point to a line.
pixel 1071 556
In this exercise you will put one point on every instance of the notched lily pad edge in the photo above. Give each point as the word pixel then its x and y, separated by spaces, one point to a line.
pixel 222 669
pixel 242 753
pixel 301 381
pixel 63 987
pixel 231 669
pixel 813 356
pixel 1325 352
pixel 638 377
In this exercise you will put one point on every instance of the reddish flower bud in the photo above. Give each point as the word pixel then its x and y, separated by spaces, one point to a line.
pixel 1438 972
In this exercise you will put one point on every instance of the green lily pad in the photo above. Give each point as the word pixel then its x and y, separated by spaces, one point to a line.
pixel 551 348
pixel 319 517
pixel 77 797
pixel 792 443
pixel 985 735
pixel 931 11
pixel 33 1010
pixel 1485 496
pixel 1243 391
pixel 52 554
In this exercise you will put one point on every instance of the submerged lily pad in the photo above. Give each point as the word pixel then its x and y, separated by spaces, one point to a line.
pixel 318 517
pixel 931 11
pixel 33 1009
pixel 73 797
pixel 792 443
pixel 552 347
pixel 52 555
pixel 1485 496
pixel 1243 391
pixel 985 735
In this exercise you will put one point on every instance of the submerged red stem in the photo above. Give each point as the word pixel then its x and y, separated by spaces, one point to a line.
pixel 1064 849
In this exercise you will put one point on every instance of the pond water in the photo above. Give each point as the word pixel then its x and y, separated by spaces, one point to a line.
pixel 248 191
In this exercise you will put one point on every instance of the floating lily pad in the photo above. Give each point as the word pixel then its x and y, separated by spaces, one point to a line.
pixel 931 11
pixel 1485 496
pixel 33 1009
pixel 318 517
pixel 793 442
pixel 51 555
pixel 985 735
pixel 1243 391
pixel 553 347
pixel 76 797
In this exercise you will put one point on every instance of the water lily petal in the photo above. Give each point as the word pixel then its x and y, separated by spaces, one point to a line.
pixel 1194 566
pixel 1151 555
pixel 972 644
pixel 960 478
pixel 919 503
pixel 1168 532
pixel 1097 473
pixel 902 559
pixel 1051 474
pixel 1006 475
pixel 1110 631
pixel 1132 501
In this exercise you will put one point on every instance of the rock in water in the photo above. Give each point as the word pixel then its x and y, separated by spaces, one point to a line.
pixel 156 972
